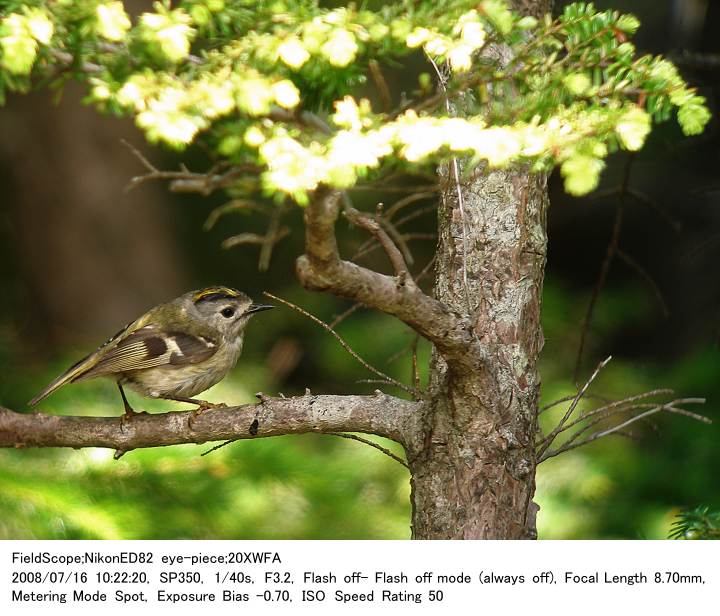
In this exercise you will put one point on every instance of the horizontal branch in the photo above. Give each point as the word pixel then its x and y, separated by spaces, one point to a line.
pixel 379 414
pixel 322 269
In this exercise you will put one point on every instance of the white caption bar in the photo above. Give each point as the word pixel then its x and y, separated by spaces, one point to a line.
pixel 349 577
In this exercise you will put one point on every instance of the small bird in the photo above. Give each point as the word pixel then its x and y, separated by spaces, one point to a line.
pixel 174 351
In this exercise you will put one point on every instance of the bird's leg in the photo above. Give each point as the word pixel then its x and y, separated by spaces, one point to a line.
pixel 202 405
pixel 129 412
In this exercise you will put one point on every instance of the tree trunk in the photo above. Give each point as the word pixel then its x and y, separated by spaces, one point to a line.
pixel 473 473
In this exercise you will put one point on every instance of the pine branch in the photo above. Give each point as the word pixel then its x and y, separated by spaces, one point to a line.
pixel 379 414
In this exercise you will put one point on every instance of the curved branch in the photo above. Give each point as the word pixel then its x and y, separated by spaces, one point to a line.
pixel 322 269
pixel 380 414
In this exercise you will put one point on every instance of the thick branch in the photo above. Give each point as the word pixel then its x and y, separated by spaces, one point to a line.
pixel 379 414
pixel 322 269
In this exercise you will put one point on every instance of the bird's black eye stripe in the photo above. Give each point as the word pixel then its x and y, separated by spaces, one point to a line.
pixel 227 312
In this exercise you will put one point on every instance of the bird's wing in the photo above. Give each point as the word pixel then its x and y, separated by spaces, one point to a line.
pixel 149 347
pixel 138 346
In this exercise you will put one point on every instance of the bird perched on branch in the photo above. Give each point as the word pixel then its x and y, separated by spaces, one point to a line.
pixel 174 351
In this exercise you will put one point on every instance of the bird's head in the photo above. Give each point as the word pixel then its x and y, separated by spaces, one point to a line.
pixel 223 309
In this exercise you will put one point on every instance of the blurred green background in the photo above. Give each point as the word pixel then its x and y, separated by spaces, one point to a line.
pixel 79 257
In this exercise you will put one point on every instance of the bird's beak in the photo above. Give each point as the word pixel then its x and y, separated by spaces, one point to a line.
pixel 258 308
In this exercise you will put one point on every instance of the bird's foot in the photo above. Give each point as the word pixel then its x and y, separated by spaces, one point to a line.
pixel 128 416
pixel 203 405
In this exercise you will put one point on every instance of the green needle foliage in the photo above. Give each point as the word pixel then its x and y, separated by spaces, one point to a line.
pixel 268 86
pixel 700 523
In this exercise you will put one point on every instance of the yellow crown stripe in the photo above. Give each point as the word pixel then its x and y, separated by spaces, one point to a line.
pixel 215 291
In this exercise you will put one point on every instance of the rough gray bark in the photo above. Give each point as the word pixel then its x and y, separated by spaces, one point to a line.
pixel 474 475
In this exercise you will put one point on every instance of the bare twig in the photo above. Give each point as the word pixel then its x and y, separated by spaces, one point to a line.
pixel 220 446
pixel 427 269
pixel 302 118
pixel 587 396
pixel 599 284
pixel 368 246
pixel 619 405
pixel 233 206
pixel 696 60
pixel 399 353
pixel 419 236
pixel 372 245
pixel 415 214
pixel 642 199
pixel 389 188
pixel 267 242
pixel 555 403
pixel 547 441
pixel 412 349
pixel 372 226
pixel 382 86
pixel 184 181
pixel 410 199
pixel 610 251
pixel 345 314
pixel 344 344
pixel 272 236
pixel 253 238
pixel 594 417
pixel 662 213
pixel 670 407
pixel 241 239
pixel 67 60
pixel 374 381
pixel 700 248
pixel 642 272
pixel 624 192
pixel 600 416
pixel 366 441
pixel 399 239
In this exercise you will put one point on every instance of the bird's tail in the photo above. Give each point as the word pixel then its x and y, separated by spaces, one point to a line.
pixel 71 374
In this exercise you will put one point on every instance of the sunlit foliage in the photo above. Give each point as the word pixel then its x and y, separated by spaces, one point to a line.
pixel 270 84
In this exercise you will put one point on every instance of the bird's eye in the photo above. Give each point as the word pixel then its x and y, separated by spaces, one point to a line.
pixel 227 312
